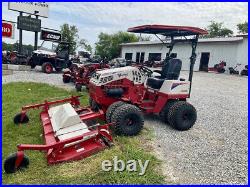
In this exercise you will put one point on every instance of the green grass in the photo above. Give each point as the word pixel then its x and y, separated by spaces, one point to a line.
pixel 86 171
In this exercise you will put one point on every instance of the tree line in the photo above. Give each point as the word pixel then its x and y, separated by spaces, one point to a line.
pixel 108 45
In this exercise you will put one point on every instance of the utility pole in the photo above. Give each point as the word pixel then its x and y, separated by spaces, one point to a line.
pixel 36 38
pixel 20 38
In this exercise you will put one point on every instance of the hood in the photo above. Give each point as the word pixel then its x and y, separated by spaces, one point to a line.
pixel 44 52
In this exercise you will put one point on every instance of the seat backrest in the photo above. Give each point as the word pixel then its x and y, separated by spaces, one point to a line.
pixel 171 70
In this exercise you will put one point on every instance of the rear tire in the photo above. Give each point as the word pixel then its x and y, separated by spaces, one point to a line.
pixel 182 116
pixel 112 108
pixel 9 163
pixel 128 120
pixel 47 67
pixel 164 112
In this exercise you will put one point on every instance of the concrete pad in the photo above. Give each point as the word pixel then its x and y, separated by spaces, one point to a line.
pixel 19 67
pixel 7 72
pixel 4 66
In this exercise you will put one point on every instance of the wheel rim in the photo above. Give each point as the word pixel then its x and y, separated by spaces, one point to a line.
pixel 130 121
pixel 48 68
pixel 188 118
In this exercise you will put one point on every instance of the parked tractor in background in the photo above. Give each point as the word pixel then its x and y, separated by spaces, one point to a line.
pixel 55 58
pixel 81 75
pixel 220 68
pixel 14 57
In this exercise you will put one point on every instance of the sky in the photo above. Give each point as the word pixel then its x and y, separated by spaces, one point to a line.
pixel 93 18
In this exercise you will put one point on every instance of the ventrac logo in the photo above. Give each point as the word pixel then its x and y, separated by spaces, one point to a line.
pixel 122 74
pixel 174 85
pixel 52 36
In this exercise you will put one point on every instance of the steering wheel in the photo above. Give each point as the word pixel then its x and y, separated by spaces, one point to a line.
pixel 146 71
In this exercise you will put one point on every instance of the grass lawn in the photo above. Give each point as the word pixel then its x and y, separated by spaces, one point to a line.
pixel 87 171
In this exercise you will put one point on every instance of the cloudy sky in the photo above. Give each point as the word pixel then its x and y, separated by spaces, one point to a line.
pixel 93 18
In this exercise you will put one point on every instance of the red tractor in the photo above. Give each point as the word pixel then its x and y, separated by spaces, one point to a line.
pixel 82 75
pixel 220 68
pixel 125 93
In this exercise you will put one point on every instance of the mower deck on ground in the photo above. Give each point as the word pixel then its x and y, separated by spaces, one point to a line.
pixel 68 130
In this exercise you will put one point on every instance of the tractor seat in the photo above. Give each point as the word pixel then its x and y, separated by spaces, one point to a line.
pixel 170 71
pixel 155 83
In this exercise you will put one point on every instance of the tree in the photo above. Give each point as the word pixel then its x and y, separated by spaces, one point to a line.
pixel 84 43
pixel 242 27
pixel 216 29
pixel 27 49
pixel 70 34
pixel 109 44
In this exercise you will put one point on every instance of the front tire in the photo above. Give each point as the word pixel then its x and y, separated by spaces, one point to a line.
pixel 182 115
pixel 128 120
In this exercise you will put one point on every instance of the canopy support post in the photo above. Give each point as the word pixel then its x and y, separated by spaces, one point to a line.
pixel 192 62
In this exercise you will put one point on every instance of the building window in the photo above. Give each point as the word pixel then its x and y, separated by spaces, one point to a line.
pixel 154 57
pixel 128 56
pixel 140 57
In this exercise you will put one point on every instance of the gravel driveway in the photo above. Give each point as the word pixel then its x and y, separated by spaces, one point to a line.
pixel 215 149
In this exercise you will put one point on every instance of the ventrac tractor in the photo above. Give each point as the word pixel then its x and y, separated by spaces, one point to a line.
pixel 126 93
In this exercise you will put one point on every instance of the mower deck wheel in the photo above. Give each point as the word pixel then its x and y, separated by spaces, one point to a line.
pixel 78 87
pixel 18 118
pixel 9 163
pixel 182 115
pixel 112 108
pixel 128 120
pixel 164 112
pixel 66 79
pixel 47 67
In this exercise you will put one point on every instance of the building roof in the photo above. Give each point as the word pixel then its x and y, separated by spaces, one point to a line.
pixel 201 40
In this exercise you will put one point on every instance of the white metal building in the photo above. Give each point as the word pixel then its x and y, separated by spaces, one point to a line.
pixel 210 51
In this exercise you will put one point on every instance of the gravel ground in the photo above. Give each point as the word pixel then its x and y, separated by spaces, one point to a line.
pixel 215 149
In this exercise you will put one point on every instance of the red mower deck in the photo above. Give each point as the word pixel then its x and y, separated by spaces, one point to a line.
pixel 66 139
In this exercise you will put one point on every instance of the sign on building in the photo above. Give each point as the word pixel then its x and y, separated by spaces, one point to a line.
pixel 35 8
pixel 29 24
pixel 50 36
pixel 8 29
